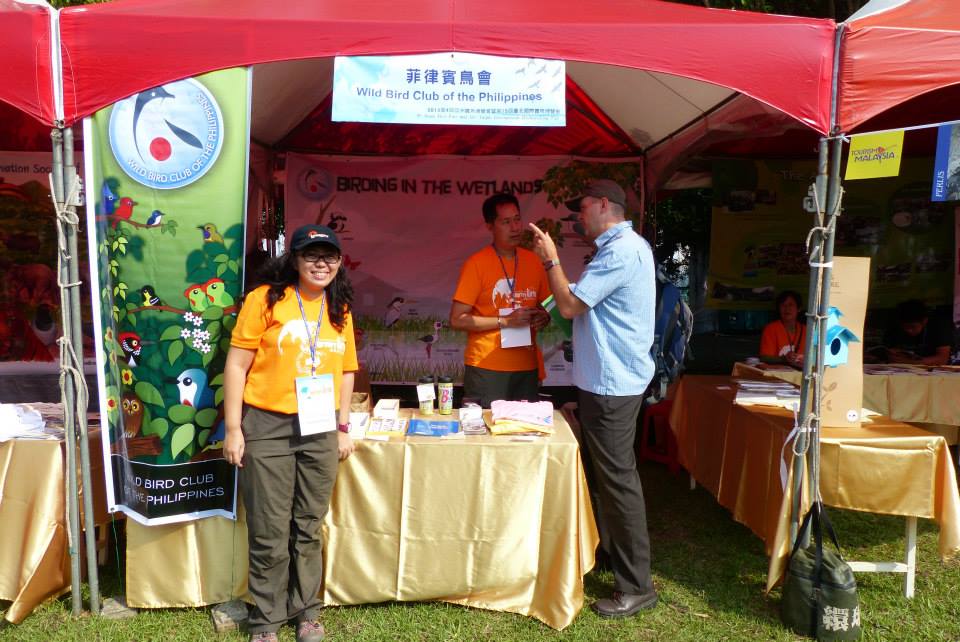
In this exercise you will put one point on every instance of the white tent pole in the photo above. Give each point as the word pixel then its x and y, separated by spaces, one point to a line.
pixel 56 64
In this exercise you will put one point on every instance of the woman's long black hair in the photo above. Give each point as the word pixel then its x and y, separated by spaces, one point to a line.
pixel 281 272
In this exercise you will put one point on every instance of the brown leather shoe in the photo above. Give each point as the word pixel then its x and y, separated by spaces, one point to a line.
pixel 624 604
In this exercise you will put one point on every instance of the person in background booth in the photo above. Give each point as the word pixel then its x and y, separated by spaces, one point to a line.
pixel 501 286
pixel 784 340
pixel 916 338
pixel 288 381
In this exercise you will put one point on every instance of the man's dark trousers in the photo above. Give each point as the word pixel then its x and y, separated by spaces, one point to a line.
pixel 609 426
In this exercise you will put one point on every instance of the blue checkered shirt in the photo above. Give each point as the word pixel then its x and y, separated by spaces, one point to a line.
pixel 612 340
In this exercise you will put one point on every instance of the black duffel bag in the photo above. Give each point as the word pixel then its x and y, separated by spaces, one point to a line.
pixel 820 597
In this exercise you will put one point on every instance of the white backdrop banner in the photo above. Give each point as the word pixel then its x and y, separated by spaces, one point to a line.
pixel 407 225
pixel 450 88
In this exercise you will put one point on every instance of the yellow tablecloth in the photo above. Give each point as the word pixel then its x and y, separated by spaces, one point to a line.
pixel 486 522
pixel 34 555
pixel 918 396
pixel 883 467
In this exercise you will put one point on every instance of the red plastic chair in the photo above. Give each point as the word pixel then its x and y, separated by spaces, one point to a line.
pixel 656 418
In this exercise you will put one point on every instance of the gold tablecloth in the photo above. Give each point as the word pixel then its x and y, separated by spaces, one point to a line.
pixel 34 554
pixel 930 399
pixel 485 522
pixel 883 467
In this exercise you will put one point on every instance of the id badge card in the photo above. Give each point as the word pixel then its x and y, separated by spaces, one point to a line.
pixel 316 406
pixel 514 337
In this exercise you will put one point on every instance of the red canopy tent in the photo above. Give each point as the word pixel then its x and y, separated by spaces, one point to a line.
pixel 894 51
pixel 781 61
pixel 26 51
pixel 638 70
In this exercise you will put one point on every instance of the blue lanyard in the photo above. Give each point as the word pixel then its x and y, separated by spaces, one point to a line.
pixel 316 336
pixel 511 282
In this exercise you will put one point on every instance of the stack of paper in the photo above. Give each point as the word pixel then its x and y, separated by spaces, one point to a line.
pixel 21 421
pixel 379 426
pixel 766 393
pixel 387 409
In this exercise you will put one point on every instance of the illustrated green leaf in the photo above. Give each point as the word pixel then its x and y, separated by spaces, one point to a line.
pixel 172 332
pixel 225 344
pixel 154 361
pixel 214 313
pixel 203 436
pixel 148 393
pixel 174 351
pixel 182 439
pixel 208 357
pixel 214 329
pixel 218 396
pixel 221 258
pixel 181 413
pixel 233 265
pixel 221 269
pixel 229 322
pixel 205 418
pixel 217 381
pixel 158 427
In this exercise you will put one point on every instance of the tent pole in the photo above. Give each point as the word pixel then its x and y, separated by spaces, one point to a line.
pixel 809 382
pixel 833 211
pixel 83 396
pixel 67 392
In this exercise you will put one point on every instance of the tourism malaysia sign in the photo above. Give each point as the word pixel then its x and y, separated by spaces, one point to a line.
pixel 451 89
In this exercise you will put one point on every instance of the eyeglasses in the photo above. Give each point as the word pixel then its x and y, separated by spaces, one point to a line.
pixel 316 257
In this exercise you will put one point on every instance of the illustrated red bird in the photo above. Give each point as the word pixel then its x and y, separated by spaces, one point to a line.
pixel 123 210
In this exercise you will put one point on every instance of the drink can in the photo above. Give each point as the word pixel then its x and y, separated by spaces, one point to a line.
pixel 445 395
pixel 426 407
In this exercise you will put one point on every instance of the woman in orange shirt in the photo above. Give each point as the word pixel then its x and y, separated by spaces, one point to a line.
pixel 783 340
pixel 287 381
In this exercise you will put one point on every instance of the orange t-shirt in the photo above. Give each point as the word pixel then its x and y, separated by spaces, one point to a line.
pixel 485 286
pixel 776 341
pixel 283 348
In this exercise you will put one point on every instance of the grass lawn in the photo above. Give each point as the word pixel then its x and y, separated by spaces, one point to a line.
pixel 709 570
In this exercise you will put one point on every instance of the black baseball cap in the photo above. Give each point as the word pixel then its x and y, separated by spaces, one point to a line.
pixel 600 188
pixel 307 235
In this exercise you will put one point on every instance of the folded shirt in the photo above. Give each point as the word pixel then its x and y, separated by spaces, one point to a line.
pixel 540 412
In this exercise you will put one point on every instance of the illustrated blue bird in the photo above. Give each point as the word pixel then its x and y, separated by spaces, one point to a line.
pixel 108 200
pixel 154 219
pixel 192 384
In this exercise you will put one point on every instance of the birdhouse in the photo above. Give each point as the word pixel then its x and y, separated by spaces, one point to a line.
pixel 838 340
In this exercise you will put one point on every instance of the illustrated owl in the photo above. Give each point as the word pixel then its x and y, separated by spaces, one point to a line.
pixel 132 414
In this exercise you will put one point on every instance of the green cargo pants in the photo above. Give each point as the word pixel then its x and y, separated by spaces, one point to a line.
pixel 286 482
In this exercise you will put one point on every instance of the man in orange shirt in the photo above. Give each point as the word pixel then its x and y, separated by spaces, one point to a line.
pixel 497 297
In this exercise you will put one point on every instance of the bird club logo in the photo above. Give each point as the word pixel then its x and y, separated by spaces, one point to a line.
pixel 169 136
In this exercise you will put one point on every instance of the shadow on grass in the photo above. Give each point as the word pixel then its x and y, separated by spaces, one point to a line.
pixel 697 546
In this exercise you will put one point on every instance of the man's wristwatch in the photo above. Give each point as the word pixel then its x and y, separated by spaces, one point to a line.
pixel 549 263
pixel 343 427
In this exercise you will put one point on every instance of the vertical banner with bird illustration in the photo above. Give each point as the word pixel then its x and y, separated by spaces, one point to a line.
pixel 166 194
